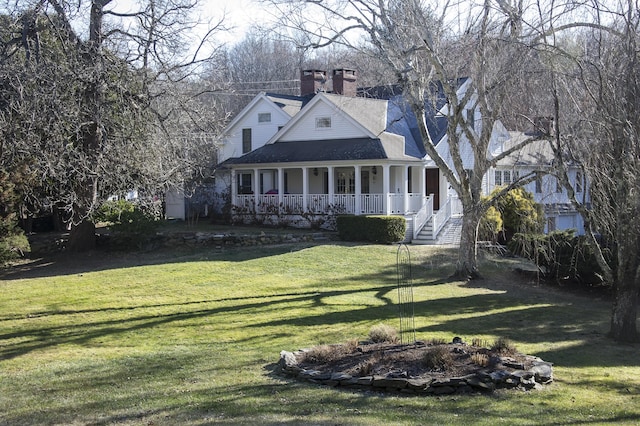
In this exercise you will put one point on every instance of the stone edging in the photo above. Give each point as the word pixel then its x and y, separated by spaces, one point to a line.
pixel 509 376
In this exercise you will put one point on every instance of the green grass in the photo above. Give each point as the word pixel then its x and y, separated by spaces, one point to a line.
pixel 192 338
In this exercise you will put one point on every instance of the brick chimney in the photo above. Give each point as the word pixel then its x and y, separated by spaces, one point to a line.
pixel 312 81
pixel 344 82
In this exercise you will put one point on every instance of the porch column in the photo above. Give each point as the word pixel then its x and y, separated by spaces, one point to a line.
pixel 357 207
pixel 234 188
pixel 280 185
pixel 256 183
pixel 422 183
pixel 330 183
pixel 405 190
pixel 386 177
pixel 305 188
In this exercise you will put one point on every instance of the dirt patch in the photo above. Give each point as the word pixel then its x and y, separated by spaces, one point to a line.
pixel 418 368
pixel 412 361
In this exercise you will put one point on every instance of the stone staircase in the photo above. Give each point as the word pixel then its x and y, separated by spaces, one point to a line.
pixel 448 235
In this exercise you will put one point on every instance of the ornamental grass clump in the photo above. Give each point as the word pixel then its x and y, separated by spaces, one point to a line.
pixel 480 359
pixel 329 353
pixel 437 358
pixel 479 342
pixel 504 346
pixel 383 333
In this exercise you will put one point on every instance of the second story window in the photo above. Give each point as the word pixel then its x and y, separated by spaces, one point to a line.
pixel 246 140
pixel 323 122
pixel 264 117
pixel 579 181
pixel 506 177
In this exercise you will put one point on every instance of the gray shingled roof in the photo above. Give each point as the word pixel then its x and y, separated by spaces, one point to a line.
pixel 535 153
pixel 318 150
pixel 288 103
pixel 370 113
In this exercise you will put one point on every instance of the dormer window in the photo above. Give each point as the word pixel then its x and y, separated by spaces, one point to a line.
pixel 264 117
pixel 323 122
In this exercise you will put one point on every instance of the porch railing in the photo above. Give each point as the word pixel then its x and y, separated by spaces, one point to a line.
pixel 456 206
pixel 371 204
pixel 396 203
pixel 441 217
pixel 422 217
pixel 344 203
pixel 416 201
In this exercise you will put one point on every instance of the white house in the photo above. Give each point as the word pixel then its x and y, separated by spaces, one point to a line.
pixel 342 150
pixel 546 188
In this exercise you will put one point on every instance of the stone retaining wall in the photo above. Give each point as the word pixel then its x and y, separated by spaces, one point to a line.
pixel 509 376
pixel 56 242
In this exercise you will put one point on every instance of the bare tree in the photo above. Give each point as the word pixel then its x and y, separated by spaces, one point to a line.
pixel 265 61
pixel 432 47
pixel 91 98
pixel 596 91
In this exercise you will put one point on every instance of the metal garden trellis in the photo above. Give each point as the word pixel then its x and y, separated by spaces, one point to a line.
pixel 405 295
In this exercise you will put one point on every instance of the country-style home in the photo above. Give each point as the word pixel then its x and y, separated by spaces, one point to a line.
pixel 338 149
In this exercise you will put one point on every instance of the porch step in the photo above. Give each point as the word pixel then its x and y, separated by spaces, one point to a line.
pixel 448 235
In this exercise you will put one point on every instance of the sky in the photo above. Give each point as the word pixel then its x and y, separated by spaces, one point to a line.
pixel 240 14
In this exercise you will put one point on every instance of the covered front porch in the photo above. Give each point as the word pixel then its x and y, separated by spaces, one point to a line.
pixel 358 189
pixel 413 191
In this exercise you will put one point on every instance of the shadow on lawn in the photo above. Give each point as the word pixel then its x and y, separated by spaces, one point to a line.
pixel 96 260
pixel 533 314
pixel 549 318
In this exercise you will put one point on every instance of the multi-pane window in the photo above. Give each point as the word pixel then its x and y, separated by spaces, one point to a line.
pixel 346 183
pixel 246 140
pixel 504 177
pixel 264 117
pixel 323 122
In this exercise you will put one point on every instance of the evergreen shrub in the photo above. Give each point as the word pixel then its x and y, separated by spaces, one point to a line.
pixel 132 225
pixel 377 229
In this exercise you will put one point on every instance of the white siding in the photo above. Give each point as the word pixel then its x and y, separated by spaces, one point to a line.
pixel 174 205
pixel 260 132
pixel 305 127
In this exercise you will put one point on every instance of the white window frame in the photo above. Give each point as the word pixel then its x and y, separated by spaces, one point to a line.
pixel 507 181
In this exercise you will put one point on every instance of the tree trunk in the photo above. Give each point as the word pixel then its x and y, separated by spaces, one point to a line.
pixel 624 314
pixel 82 236
pixel 467 266
pixel 627 289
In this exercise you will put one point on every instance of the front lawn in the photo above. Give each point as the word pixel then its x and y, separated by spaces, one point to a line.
pixel 193 337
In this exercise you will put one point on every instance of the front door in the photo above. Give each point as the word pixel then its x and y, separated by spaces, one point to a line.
pixel 433 186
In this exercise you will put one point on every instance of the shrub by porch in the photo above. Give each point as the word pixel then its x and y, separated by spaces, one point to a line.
pixel 379 229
